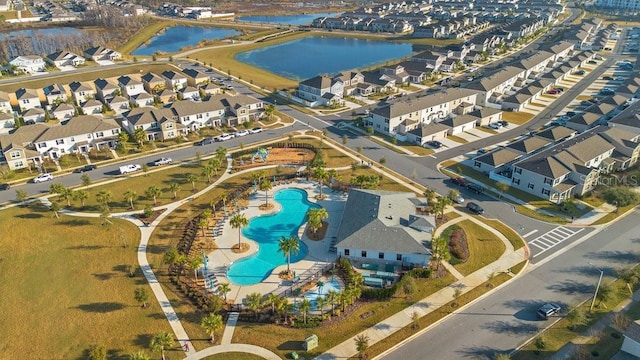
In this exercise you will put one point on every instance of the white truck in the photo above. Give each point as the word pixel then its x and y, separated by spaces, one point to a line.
pixel 130 168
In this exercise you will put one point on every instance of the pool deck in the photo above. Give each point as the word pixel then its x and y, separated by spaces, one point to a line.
pixel 316 260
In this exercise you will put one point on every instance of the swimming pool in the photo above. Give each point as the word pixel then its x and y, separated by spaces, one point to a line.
pixel 266 231
pixel 313 295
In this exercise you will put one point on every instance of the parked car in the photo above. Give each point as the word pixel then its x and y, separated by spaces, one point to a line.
pixel 475 208
pixel 607 78
pixel 256 130
pixel 457 199
pixel 434 144
pixel 86 168
pixel 459 181
pixel 224 137
pixel 482 151
pixel 43 177
pixel 129 168
pixel 163 161
pixel 547 310
pixel 571 113
pixel 475 188
pixel 618 78
pixel 564 118
pixel 495 125
pixel 559 89
pixel 580 72
pixel 592 61
pixel 553 92
pixel 242 133
pixel 205 141
pixel 4 186
pixel 607 91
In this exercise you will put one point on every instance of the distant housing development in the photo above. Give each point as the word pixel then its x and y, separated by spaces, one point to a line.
pixel 619 4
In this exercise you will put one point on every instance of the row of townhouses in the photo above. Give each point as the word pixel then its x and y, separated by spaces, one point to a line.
pixel 30 144
pixel 31 64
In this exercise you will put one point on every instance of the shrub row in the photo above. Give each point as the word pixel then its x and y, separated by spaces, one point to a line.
pixel 458 245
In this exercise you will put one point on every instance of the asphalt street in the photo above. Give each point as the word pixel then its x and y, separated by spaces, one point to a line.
pixel 506 318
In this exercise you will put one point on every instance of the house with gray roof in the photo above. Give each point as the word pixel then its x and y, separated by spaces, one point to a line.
pixel 55 93
pixel 486 115
pixel 5 103
pixel 424 133
pixel 490 88
pixel 153 83
pixel 27 99
pixel 81 92
pixel 460 124
pixel 174 80
pixel 313 91
pixel 16 149
pixel 556 133
pixel 106 89
pixel 7 123
pixel 79 134
pixel 627 147
pixel 631 343
pixel 385 227
pixel 32 116
pixel 63 111
pixel 130 86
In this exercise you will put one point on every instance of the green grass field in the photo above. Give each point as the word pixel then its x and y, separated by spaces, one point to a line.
pixel 484 247
pixel 66 285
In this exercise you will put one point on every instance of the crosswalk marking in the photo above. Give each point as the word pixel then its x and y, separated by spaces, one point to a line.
pixel 552 238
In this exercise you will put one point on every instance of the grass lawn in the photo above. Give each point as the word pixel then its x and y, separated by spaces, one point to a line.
pixel 513 237
pixel 386 145
pixel 613 215
pixel 486 129
pixel 385 184
pixel 278 338
pixel 517 117
pixel 332 157
pixel 68 287
pixel 484 247
pixel 457 139
pixel 162 179
pixel 537 215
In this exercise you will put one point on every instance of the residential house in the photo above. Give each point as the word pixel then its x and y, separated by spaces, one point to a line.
pixel 631 343
pixel 29 64
pixel 79 134
pixel 169 95
pixel 385 227
pixel 118 104
pixel 190 93
pixel 143 99
pixel 158 124
pixel 153 83
pixel 460 124
pixel 627 147
pixel 65 58
pixel 130 87
pixel 448 65
pixel 55 94
pixel 91 107
pixel 174 80
pixel 431 60
pixel 556 133
pixel 417 71
pixel 396 72
pixel 195 77
pixel 17 148
pixel 486 116
pixel 492 88
pixel 81 92
pixel 382 83
pixel 63 112
pixel 497 160
pixel 100 53
pixel 320 90
pixel 27 99
pixel 32 116
pixel 211 89
pixel 106 89
pixel 5 103
pixel 7 123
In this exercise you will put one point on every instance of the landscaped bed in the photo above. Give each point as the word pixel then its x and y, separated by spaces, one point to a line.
pixel 483 247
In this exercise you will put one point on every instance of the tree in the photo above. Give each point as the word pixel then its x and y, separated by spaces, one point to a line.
pixel 55 209
pixel 321 303
pixel 359 149
pixel 67 195
pixel 269 110
pixel 215 164
pixel 221 153
pixel 289 245
pixel 130 196
pixel 192 178
pixel 265 185
pixel 21 196
pixel 86 180
pixel 194 263
pixel 332 297
pixel 238 221
pixel 321 174
pixel 139 136
pixel 315 218
pixel 174 188
pixel 362 344
pixel 408 285
pixel 145 169
pixel 141 295
pixel 606 293
pixel 453 194
pixel 103 198
pixel 161 341
pixel 577 316
pixel 208 172
pixel 333 176
pixel 140 355
pixel 224 289
pixel 171 256
pixel 153 192
pixel 620 196
pixel 123 140
pixel 56 188
pixel 503 187
pixel 81 195
pixel 304 306
pixel 104 215
pixel 443 202
pixel 254 302
pixel 415 317
pixel 440 250
pixel 429 193
pixel 630 276
pixel 97 352
pixel 211 323
pixel 382 161
pixel 273 299
pixel 202 223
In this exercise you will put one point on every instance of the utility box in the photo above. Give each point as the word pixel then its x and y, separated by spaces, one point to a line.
pixel 311 342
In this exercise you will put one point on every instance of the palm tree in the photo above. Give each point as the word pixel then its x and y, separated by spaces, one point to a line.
pixel 86 180
pixel 160 341
pixel 273 300
pixel 194 263
pixel 221 153
pixel 103 198
pixel 322 175
pixel 141 295
pixel 265 186
pixel 224 289
pixel 440 250
pixel 238 221
pixel 81 195
pixel 211 323
pixel 304 306
pixel 56 188
pixel 153 192
pixel 207 171
pixel 315 218
pixel 362 344
pixel 269 110
pixel 192 178
pixel 215 164
pixel 130 196
pixel 223 197
pixel 332 297
pixel 333 176
pixel 174 187
pixel 55 208
pixel 321 303
pixel 202 223
pixel 429 194
pixel 140 355
pixel 254 302
pixel 289 245
pixel 67 195
pixel 139 136
pixel 21 196
pixel 443 202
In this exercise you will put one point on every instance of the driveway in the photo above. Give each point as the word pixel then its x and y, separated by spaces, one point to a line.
pixel 104 62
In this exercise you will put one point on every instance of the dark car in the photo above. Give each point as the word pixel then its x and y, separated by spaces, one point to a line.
pixel 503 123
pixel 592 61
pixel 475 188
pixel 459 181
pixel 607 78
pixel 86 168
pixel 571 113
pixel 4 187
pixel 475 208
pixel 434 144
pixel 547 310
pixel 580 72
pixel 205 141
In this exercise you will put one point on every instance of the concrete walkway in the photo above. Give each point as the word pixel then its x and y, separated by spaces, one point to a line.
pixel 243 348
pixel 227 336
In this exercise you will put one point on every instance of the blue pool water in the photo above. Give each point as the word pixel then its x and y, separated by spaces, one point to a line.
pixel 267 231
pixel 318 292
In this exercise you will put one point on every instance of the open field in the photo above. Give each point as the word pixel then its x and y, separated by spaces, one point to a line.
pixel 68 287
pixel 517 118
pixel 513 237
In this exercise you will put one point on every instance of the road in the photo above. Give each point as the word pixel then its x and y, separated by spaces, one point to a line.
pixel 506 318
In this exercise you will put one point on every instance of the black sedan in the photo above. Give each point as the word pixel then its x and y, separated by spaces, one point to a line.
pixel 86 168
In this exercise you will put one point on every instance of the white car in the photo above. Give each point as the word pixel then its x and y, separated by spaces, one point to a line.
pixel 42 178
pixel 242 133
pixel 256 130
pixel 163 161
pixel 495 125
pixel 458 200
pixel 224 137
pixel 619 78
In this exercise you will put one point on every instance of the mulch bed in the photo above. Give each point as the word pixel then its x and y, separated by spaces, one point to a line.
pixel 319 234
pixel 148 220
pixel 244 247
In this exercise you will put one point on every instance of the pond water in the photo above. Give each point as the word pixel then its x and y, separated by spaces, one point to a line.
pixel 177 37
pixel 299 19
pixel 307 57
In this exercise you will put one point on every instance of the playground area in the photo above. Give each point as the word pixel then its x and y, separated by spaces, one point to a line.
pixel 273 156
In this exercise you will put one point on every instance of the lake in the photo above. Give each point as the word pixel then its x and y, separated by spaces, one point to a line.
pixel 178 37
pixel 307 57
pixel 300 19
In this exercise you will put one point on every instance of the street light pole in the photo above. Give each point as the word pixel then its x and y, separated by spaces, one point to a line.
pixel 597 288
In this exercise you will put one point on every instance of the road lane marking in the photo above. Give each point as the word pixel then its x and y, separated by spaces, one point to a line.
pixel 530 233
